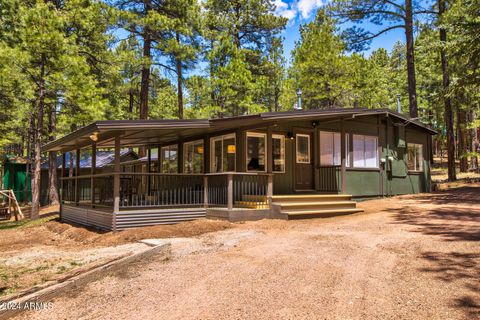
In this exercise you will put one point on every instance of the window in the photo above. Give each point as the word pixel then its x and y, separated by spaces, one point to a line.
pixel 365 151
pixel 193 156
pixel 303 148
pixel 169 159
pixel 223 153
pixel 415 157
pixel 330 149
pixel 278 145
pixel 256 151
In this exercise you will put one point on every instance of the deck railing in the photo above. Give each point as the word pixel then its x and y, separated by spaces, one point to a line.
pixel 329 179
pixel 160 190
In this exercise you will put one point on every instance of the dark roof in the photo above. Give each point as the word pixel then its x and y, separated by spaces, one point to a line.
pixel 104 158
pixel 134 133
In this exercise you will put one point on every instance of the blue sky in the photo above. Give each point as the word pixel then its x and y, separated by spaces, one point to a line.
pixel 302 11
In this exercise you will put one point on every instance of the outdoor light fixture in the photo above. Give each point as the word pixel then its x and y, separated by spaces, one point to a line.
pixel 94 136
pixel 314 123
pixel 290 135
pixel 231 148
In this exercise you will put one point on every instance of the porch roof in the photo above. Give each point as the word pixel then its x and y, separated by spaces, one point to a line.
pixel 134 133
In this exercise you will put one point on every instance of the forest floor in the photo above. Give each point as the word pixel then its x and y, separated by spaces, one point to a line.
pixel 439 174
pixel 405 257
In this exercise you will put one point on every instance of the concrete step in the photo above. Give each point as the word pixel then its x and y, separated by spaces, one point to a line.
pixel 303 214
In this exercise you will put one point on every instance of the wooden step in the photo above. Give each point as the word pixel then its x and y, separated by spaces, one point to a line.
pixel 317 205
pixel 251 204
pixel 310 197
pixel 302 214
pixel 254 198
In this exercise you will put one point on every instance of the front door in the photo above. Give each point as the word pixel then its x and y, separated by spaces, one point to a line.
pixel 304 174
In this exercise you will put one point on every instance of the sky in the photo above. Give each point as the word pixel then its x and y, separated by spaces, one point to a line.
pixel 303 11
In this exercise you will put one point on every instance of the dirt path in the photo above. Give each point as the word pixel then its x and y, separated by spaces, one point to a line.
pixel 410 257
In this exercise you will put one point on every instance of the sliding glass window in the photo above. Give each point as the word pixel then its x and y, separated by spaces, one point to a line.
pixel 193 156
pixel 223 153
pixel 256 151
pixel 169 159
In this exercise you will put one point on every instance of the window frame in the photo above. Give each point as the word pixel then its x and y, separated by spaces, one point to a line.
pixel 212 151
pixel 256 135
pixel 309 147
pixel 280 137
pixel 377 165
pixel 185 151
pixel 415 145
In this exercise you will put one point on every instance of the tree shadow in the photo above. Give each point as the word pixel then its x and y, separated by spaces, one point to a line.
pixel 455 218
pixel 464 196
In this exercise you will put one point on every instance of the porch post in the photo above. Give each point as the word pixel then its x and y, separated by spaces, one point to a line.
pixel 316 158
pixel 62 185
pixel 205 191
pixel 343 157
pixel 92 172
pixel 77 173
pixel 180 157
pixel 269 164
pixel 149 166
pixel 230 191
pixel 116 184
pixel 159 159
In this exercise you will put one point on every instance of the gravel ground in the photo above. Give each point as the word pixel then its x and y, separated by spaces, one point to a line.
pixel 409 257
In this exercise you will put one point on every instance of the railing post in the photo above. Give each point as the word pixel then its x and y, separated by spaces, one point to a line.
pixel 77 173
pixel 230 191
pixel 92 172
pixel 116 184
pixel 205 191
pixel 270 189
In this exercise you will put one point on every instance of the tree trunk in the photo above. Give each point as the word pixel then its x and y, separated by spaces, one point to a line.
pixel 412 82
pixel 30 131
pixel 448 114
pixel 178 64
pixel 462 140
pixel 38 143
pixel 52 161
pixel 145 82
pixel 474 140
pixel 130 104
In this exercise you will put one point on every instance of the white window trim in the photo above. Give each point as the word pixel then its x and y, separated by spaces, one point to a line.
pixel 185 144
pixel 282 139
pixel 212 151
pixel 258 135
pixel 309 147
pixel 377 165
pixel 414 162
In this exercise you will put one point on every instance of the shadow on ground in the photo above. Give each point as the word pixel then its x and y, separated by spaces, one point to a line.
pixel 455 218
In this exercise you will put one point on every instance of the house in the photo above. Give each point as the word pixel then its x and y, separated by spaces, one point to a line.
pixel 271 165
pixel 15 177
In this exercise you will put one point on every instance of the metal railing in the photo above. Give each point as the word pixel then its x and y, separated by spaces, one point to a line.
pixel 82 189
pixel 148 190
pixel 329 178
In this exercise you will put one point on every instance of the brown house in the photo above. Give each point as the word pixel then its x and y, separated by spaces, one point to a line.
pixel 278 165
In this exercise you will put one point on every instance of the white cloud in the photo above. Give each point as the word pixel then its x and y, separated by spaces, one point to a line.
pixel 306 7
pixel 302 8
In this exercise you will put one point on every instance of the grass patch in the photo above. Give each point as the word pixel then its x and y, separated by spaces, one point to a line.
pixel 26 223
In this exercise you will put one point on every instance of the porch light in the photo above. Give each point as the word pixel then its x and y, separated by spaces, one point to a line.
pixel 231 148
pixel 94 136
pixel 200 150
pixel 290 135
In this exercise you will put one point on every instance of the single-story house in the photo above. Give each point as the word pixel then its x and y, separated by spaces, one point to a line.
pixel 278 164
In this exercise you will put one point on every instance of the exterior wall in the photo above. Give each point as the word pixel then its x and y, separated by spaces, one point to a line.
pixel 363 182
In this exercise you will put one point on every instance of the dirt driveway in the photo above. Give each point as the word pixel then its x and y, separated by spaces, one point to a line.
pixel 410 257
